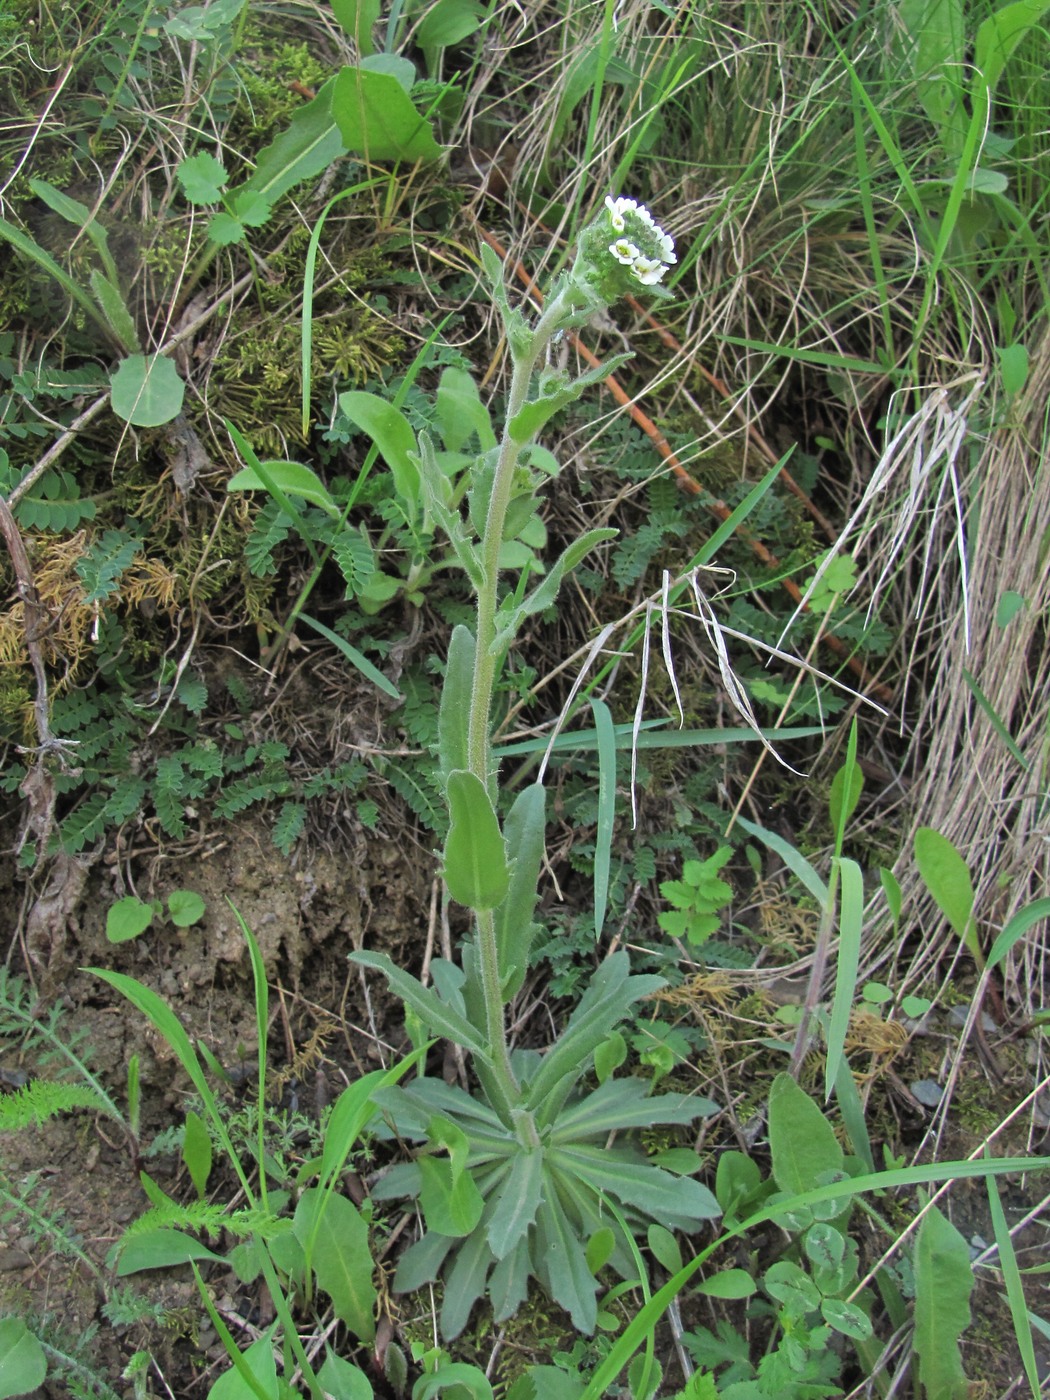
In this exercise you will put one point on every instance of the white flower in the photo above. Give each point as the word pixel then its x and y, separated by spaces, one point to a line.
pixel 624 251
pixel 627 216
pixel 649 271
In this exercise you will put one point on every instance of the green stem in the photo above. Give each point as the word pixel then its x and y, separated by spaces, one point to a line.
pixel 485 664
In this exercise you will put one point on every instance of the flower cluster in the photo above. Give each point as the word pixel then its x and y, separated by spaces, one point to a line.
pixel 635 225
pixel 622 250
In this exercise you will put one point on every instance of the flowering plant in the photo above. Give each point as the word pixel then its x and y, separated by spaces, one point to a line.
pixel 514 1181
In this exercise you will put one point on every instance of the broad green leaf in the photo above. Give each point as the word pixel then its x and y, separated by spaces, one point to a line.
pixel 448 22
pixel 391 432
pixel 846 1318
pixel 943 1284
pixel 357 18
pixel 426 1004
pixel 342 1380
pixel 377 119
pixel 475 857
pixel 127 918
pixel 1013 371
pixel 309 145
pixel 337 1250
pixel 261 1362
pixel 185 908
pixel 609 1056
pixel 292 478
pixel 196 1151
pixel 460 410
pixel 665 1248
pixel 892 890
pixel 523 832
pixel 146 391
pixel 160 1249
pixel 801 1140
pixel 600 1248
pixel 114 308
pixel 546 1383
pixel 251 208
pixel 393 64
pixel 463 1381
pixel 562 1265
pixel 999 35
pixel 728 1283
pixel 516 1202
pixel 454 709
pixel 737 1178
pixel 451 1203
pixel 80 216
pixel 23 1364
pixel 947 878
pixel 202 178
pixel 225 229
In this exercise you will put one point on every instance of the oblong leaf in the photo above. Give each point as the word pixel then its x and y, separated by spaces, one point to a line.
pixel 432 1011
pixel 293 478
pixel 802 1141
pixel 516 1202
pixel 335 1237
pixel 524 832
pixel 475 857
pixel 454 710
pixel 377 118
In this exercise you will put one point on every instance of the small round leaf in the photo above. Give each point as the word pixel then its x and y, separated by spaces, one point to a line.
pixel 185 907
pixel 146 391
pixel 127 919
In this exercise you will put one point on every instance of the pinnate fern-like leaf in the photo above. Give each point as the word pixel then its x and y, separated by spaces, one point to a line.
pixel 36 1102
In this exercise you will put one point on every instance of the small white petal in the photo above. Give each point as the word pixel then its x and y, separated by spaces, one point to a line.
pixel 649 271
pixel 624 251
pixel 615 217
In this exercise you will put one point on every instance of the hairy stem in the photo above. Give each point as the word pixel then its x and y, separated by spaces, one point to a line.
pixel 485 665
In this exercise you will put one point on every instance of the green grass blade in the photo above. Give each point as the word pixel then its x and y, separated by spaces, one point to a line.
pixel 1014 1288
pixel 709 549
pixel 851 923
pixel 649 737
pixel 795 861
pixel 605 736
pixel 306 338
pixel 356 659
pixel 996 723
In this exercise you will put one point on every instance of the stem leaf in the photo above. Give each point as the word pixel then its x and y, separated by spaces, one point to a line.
pixel 476 869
